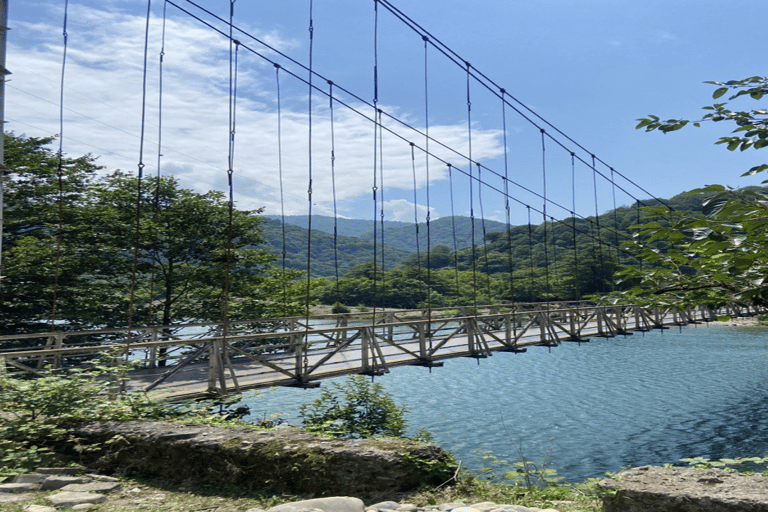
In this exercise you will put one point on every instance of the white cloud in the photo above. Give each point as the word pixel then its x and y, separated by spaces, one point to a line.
pixel 103 107
pixel 402 210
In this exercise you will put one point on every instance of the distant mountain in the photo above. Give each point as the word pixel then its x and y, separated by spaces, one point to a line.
pixel 349 251
pixel 402 235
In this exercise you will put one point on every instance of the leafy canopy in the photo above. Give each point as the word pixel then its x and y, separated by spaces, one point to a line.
pixel 720 255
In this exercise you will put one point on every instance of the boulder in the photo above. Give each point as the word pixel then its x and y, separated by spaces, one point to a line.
pixel 674 489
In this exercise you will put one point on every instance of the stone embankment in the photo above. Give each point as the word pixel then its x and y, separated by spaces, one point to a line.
pixel 685 490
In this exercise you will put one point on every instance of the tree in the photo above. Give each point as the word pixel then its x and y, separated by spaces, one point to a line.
pixel 69 249
pixel 720 256
pixel 45 275
pixel 182 252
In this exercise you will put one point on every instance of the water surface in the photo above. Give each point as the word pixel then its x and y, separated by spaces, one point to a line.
pixel 649 398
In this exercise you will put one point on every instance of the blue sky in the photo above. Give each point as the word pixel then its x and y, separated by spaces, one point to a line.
pixel 589 67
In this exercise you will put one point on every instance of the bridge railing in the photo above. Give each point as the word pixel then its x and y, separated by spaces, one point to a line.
pixel 297 351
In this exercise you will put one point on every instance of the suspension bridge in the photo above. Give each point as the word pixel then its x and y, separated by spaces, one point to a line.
pixel 197 360
pixel 530 158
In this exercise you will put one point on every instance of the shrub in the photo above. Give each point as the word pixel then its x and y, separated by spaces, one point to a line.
pixel 354 408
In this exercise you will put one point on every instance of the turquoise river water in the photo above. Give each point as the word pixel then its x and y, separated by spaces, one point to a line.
pixel 649 398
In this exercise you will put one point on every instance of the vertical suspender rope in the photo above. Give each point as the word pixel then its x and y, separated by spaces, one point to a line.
pixel 60 180
pixel 139 178
pixel 381 209
pixel 548 289
pixel 429 213
pixel 234 46
pixel 576 290
pixel 280 178
pixel 506 199
pixel 485 243
pixel 309 170
pixel 473 252
pixel 453 229
pixel 597 224
pixel 333 187
pixel 376 128
pixel 615 218
pixel 416 221
pixel 156 202
pixel 530 255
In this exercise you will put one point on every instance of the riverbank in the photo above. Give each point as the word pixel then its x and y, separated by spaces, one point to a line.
pixel 80 489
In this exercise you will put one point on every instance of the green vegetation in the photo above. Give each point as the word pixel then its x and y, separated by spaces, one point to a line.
pixel 69 242
pixel 354 408
pixel 37 411
pixel 720 255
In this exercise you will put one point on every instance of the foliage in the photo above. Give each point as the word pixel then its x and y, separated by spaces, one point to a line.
pixel 69 244
pixel 38 411
pixel 720 255
pixel 525 472
pixel 354 408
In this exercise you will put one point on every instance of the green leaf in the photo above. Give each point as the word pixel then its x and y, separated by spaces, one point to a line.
pixel 719 92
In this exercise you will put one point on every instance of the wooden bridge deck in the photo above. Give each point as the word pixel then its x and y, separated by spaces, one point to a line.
pixel 179 362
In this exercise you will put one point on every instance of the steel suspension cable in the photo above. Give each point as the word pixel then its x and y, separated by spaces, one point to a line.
pixel 371 119
pixel 487 82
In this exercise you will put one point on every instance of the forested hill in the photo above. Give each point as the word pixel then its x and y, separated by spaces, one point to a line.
pixel 349 251
pixel 402 235
pixel 354 244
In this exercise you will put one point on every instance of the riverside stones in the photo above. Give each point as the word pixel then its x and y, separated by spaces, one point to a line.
pixel 676 489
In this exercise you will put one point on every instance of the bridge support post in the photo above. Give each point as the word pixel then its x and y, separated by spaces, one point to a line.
pixel 214 366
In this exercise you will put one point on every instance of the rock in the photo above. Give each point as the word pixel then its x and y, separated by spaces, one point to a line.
pixel 685 490
pixel 70 499
pixel 6 498
pixel 484 506
pixel 30 478
pixel 61 471
pixel 255 510
pixel 450 506
pixel 338 504
pixel 92 487
pixel 385 505
pixel 38 508
pixel 465 509
pixel 57 482
pixel 19 487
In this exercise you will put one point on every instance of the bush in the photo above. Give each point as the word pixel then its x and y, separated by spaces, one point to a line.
pixel 354 408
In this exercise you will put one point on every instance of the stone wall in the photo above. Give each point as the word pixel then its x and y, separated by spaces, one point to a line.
pixel 282 460
pixel 674 489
